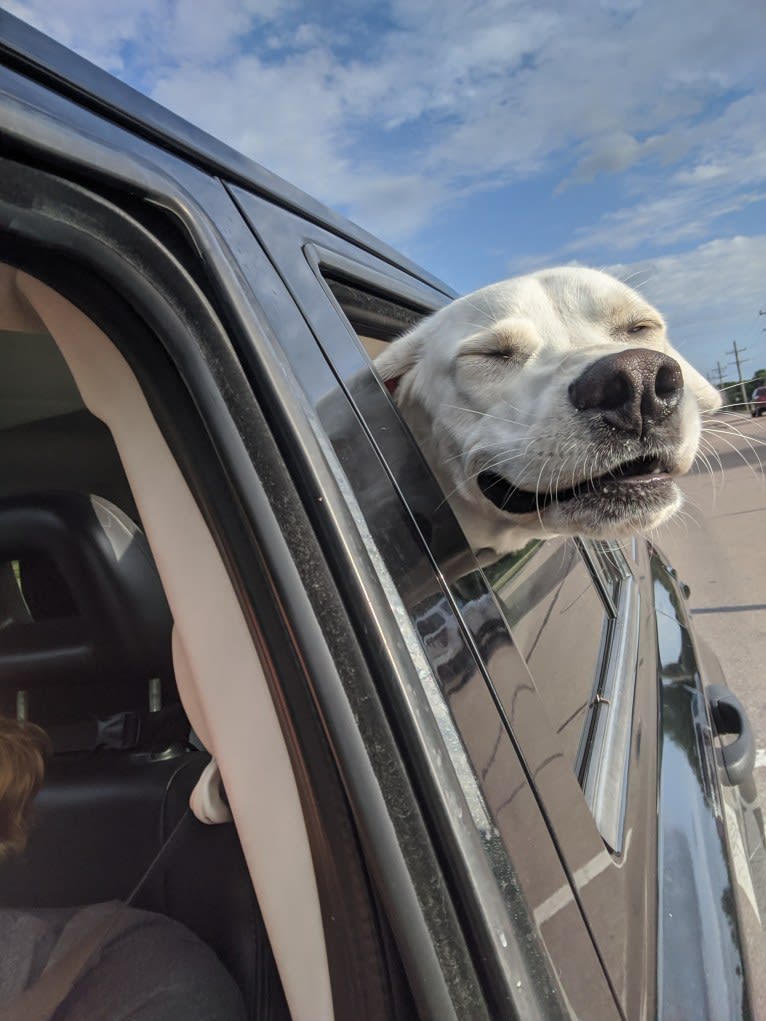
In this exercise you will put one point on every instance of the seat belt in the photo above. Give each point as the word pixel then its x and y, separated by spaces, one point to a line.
pixel 41 1000
pixel 121 731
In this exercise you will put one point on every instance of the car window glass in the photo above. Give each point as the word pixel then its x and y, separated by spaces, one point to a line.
pixel 560 624
pixel 375 318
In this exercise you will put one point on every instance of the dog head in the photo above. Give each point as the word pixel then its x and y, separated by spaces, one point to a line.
pixel 551 404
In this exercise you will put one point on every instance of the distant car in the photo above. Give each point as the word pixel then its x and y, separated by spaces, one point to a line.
pixel 459 790
pixel 758 401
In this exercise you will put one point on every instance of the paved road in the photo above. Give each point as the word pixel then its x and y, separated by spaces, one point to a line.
pixel 719 549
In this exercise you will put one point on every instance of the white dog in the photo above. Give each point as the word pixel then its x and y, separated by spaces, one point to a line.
pixel 550 404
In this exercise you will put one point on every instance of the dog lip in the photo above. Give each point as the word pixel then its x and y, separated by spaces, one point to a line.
pixel 513 500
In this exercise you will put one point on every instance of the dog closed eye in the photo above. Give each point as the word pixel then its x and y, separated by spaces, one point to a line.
pixel 503 354
pixel 511 341
pixel 645 326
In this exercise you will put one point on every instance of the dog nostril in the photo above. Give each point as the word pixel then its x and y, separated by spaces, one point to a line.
pixel 617 392
pixel 669 381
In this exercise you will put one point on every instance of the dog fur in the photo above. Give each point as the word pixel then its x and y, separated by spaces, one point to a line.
pixel 491 386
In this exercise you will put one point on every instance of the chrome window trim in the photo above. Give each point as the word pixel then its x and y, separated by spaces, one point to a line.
pixel 605 783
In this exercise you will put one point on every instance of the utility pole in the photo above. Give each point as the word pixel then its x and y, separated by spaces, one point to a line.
pixel 720 372
pixel 736 352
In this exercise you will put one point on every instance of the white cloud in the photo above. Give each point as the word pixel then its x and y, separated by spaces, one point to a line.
pixel 304 142
pixel 78 25
pixel 608 154
pixel 710 296
pixel 428 101
pixel 714 276
pixel 130 34
pixel 682 215
pixel 392 112
pixel 724 174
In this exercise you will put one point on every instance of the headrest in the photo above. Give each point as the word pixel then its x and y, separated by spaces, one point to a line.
pixel 80 598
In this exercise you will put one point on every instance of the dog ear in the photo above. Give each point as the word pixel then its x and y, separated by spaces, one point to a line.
pixel 708 398
pixel 399 357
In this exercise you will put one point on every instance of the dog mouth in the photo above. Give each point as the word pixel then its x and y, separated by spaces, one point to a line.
pixel 639 475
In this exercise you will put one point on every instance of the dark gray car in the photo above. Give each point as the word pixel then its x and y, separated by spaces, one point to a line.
pixel 458 792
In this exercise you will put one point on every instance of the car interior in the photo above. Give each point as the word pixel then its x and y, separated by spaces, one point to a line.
pixel 121 636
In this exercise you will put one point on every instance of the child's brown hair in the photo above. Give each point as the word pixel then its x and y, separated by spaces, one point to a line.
pixel 23 750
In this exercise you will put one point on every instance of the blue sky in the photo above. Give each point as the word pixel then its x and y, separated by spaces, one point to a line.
pixel 489 138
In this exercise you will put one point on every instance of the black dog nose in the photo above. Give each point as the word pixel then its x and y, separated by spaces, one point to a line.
pixel 632 389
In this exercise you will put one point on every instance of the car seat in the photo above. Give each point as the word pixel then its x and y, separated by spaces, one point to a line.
pixel 85 651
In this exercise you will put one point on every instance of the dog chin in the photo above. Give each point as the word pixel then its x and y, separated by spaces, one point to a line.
pixel 628 510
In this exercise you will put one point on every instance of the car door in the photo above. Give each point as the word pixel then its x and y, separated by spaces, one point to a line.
pixel 572 661
pixel 493 701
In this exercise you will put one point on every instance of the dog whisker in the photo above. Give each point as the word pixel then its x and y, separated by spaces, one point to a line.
pixel 724 434
pixel 725 407
pixel 537 493
pixel 706 447
pixel 686 515
pixel 562 466
pixel 488 466
pixel 736 449
pixel 709 426
pixel 485 414
pixel 705 461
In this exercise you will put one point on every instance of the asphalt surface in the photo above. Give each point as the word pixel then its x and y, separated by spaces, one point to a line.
pixel 718 547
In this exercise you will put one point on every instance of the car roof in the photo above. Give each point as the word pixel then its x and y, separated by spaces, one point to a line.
pixel 25 49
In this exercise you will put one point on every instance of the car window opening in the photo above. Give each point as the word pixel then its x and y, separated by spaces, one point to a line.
pixel 90 652
pixel 564 602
